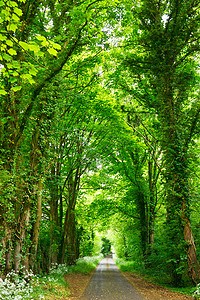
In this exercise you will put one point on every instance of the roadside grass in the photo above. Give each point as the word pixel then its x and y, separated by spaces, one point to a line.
pixel 188 291
pixel 129 265
pixel 27 286
pixel 157 277
pixel 85 265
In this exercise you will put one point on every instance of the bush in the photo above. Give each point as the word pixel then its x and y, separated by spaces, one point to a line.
pixel 196 294
pixel 85 265
pixel 17 287
pixel 58 270
pixel 27 286
pixel 129 266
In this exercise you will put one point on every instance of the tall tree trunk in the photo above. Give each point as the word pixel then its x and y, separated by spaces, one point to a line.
pixel 69 229
pixel 71 239
pixel 142 207
pixel 151 210
pixel 178 211
pixel 54 226
pixel 36 181
pixel 36 226
pixel 20 234
pixel 193 264
pixel 7 229
pixel 68 246
pixel 7 245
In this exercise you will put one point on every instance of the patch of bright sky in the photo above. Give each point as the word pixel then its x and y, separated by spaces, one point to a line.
pixel 165 18
pixel 46 11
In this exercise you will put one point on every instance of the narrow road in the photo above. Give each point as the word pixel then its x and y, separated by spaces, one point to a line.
pixel 108 283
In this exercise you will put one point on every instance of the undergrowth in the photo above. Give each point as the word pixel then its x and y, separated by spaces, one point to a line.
pixel 130 265
pixel 159 277
pixel 85 265
pixel 197 292
pixel 27 286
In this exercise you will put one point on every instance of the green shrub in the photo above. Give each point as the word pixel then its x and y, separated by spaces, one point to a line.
pixel 25 285
pixel 85 265
pixel 129 265
pixel 196 294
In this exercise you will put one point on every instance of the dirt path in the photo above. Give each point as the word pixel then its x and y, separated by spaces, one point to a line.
pixel 80 286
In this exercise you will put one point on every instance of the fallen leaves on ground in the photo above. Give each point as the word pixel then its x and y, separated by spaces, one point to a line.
pixel 153 291
pixel 77 284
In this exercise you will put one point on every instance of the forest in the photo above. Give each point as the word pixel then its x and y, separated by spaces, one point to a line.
pixel 99 134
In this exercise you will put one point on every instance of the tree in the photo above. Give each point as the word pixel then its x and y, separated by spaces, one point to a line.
pixel 160 58
pixel 38 41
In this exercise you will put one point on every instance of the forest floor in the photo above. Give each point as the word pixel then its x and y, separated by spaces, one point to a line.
pixel 151 291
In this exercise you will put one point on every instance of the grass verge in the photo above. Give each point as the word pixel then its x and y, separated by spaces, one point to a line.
pixel 85 265
pixel 161 279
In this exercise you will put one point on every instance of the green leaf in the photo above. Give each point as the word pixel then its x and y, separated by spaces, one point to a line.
pixel 11 51
pixel 52 51
pixel 6 12
pixel 2 47
pixel 34 47
pixel 15 18
pixel 9 66
pixel 2 37
pixel 13 79
pixel 6 56
pixel 24 45
pixel 11 3
pixel 16 64
pixel 31 81
pixel 40 37
pixel 45 43
pixel 33 71
pixel 11 27
pixel 28 77
pixel 16 88
pixel 15 73
pixel 9 43
pixel 18 11
pixel 3 92
pixel 55 45
pixel 3 70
